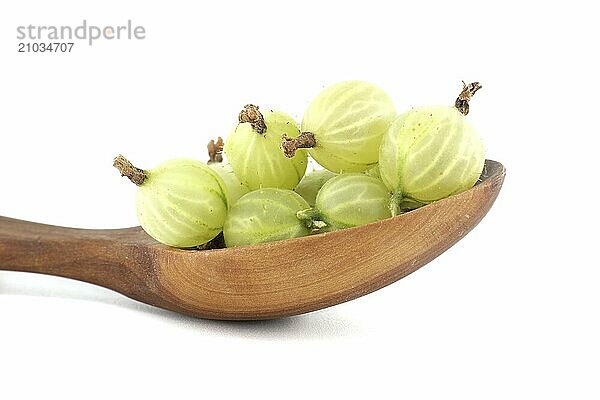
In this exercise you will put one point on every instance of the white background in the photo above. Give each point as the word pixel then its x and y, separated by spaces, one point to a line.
pixel 510 312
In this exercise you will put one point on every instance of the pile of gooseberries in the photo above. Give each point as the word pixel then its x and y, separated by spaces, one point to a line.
pixel 376 164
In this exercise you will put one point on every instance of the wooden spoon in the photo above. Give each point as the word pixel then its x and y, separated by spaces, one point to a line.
pixel 254 282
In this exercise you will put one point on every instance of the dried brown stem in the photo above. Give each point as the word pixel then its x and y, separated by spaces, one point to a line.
pixel 215 150
pixel 462 101
pixel 135 175
pixel 305 140
pixel 251 114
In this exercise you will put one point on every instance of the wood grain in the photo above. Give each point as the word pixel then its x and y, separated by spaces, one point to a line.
pixel 254 282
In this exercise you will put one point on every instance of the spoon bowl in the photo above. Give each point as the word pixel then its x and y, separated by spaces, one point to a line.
pixel 265 281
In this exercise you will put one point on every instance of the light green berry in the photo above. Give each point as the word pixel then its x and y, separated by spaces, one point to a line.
pixel 265 215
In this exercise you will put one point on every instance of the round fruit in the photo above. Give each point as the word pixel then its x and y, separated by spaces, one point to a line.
pixel 253 150
pixel 310 185
pixel 265 215
pixel 343 126
pixel 349 200
pixel 235 188
pixel 431 153
pixel 181 203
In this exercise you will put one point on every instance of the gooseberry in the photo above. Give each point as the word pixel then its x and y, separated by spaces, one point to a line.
pixel 348 200
pixel 430 153
pixel 180 203
pixel 343 126
pixel 253 150
pixel 265 215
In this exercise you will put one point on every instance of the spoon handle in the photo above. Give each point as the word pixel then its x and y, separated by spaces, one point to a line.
pixel 108 258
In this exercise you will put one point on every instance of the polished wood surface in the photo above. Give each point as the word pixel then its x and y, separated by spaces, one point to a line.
pixel 254 282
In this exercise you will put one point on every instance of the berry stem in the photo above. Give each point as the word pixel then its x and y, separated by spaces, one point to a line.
pixel 312 218
pixel 135 175
pixel 462 101
pixel 395 204
pixel 251 114
pixel 305 140
pixel 215 150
